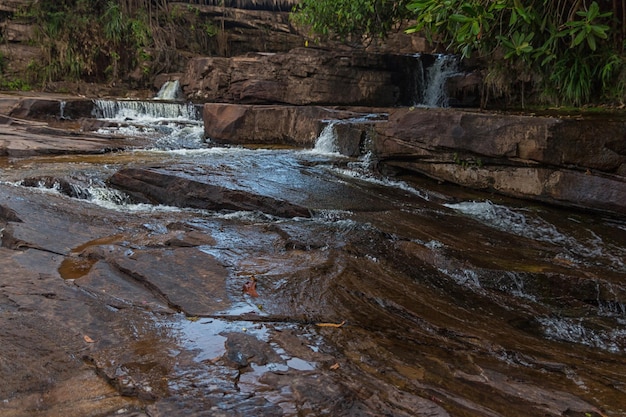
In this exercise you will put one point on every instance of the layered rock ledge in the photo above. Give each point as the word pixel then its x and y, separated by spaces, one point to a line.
pixel 302 76
pixel 166 187
pixel 575 162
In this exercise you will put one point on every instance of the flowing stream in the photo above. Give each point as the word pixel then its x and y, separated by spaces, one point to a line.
pixel 480 305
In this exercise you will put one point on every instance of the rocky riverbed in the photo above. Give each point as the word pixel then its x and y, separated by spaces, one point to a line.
pixel 329 290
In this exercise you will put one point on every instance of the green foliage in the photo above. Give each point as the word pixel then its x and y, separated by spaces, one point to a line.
pixel 567 46
pixel 113 22
pixel 15 85
pixel 98 40
pixel 210 29
pixel 562 52
pixel 588 27
pixel 350 18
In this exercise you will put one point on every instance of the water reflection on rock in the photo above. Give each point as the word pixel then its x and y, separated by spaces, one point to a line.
pixel 454 303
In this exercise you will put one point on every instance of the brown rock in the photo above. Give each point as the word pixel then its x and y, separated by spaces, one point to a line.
pixel 158 186
pixel 565 161
pixel 301 76
pixel 41 108
pixel 266 124
pixel 17 32
pixel 586 143
pixel 14 5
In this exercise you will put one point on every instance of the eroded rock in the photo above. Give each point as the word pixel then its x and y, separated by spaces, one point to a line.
pixel 161 187
pixel 559 160
pixel 301 76
pixel 266 124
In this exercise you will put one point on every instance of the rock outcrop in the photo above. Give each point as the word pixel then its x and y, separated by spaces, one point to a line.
pixel 270 124
pixel 169 188
pixel 303 76
pixel 575 162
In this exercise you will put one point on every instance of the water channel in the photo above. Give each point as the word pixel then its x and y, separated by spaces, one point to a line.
pixel 438 300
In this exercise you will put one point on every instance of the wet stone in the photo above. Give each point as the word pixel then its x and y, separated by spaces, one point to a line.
pixel 169 187
pixel 190 280
pixel 466 304
pixel 242 349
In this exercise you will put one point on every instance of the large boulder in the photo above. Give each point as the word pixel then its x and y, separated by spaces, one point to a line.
pixel 302 76
pixel 583 143
pixel 571 161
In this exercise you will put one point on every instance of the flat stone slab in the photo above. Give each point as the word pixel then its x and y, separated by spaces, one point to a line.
pixel 189 279
pixel 163 187
pixel 22 138
pixel 576 162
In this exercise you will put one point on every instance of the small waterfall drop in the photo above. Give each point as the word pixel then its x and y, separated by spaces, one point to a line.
pixel 62 105
pixel 124 110
pixel 170 90
pixel 171 125
pixel 327 140
pixel 430 81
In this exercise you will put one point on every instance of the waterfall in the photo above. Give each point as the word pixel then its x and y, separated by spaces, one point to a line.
pixel 170 125
pixel 430 81
pixel 327 140
pixel 170 90
pixel 133 110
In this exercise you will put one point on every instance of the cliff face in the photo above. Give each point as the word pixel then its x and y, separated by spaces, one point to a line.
pixel 16 49
pixel 193 28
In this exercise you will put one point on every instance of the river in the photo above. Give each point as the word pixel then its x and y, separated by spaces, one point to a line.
pixel 407 297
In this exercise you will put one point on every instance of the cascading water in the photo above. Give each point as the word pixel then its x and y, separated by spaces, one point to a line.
pixel 170 91
pixel 518 310
pixel 150 110
pixel 171 125
pixel 327 140
pixel 430 81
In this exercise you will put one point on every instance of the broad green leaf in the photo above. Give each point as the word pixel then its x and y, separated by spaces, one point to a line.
pixel 469 9
pixel 459 18
pixel 579 38
pixel 600 31
pixel 526 47
pixel 475 28
pixel 591 41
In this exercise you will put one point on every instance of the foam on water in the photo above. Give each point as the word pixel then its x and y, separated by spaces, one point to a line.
pixel 326 142
pixel 530 225
pixel 146 111
pixel 432 81
pixel 576 331
pixel 171 125
pixel 368 176
pixel 170 90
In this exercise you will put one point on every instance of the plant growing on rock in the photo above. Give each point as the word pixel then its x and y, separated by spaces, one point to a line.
pixel 351 19
pixel 558 52
pixel 570 51
pixel 96 40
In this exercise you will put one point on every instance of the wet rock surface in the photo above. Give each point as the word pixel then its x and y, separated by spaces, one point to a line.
pixel 571 161
pixel 171 188
pixel 259 124
pixel 391 298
